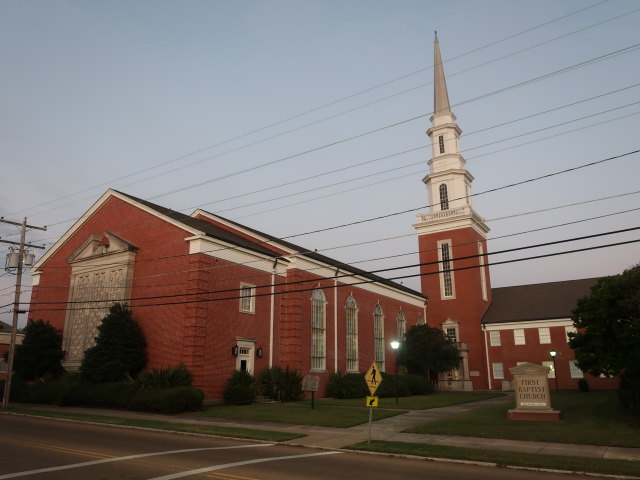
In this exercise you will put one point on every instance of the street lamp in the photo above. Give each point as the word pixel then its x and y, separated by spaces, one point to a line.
pixel 395 345
pixel 553 354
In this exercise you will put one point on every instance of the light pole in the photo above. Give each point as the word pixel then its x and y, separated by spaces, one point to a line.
pixel 395 345
pixel 553 354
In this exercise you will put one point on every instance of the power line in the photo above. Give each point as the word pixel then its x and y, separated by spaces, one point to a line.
pixel 363 282
pixel 245 277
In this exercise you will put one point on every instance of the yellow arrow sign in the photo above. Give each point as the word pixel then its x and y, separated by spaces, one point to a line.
pixel 372 401
pixel 373 378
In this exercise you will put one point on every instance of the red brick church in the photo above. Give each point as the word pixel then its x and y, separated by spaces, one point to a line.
pixel 217 296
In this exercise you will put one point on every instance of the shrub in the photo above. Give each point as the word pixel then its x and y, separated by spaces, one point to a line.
pixel 583 385
pixel 419 385
pixel 108 395
pixel 628 391
pixel 388 386
pixel 40 354
pixel 119 352
pixel 351 385
pixel 283 385
pixel 240 389
pixel 169 377
pixel 170 400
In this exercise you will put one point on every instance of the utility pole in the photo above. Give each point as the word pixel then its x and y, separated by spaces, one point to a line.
pixel 16 302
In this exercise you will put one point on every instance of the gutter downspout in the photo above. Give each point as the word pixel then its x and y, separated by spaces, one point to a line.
pixel 486 351
pixel 272 313
pixel 335 321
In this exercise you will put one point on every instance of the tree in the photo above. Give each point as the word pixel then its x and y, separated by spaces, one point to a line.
pixel 426 349
pixel 40 354
pixel 608 337
pixel 119 352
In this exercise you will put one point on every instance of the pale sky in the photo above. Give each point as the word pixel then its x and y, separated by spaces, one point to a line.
pixel 155 97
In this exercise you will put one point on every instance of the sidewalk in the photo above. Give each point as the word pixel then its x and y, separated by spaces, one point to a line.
pixel 389 429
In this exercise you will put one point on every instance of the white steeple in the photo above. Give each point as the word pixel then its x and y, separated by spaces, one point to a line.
pixel 448 182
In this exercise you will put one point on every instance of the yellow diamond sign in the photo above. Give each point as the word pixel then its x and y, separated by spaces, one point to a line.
pixel 373 378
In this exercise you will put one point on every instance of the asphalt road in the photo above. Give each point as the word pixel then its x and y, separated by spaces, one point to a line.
pixel 42 449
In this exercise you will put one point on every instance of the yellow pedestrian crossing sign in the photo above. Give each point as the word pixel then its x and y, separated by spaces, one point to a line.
pixel 373 378
pixel 372 401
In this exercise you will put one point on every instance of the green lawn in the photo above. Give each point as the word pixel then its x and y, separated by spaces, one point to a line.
pixel 416 402
pixel 556 462
pixel 300 413
pixel 594 418
pixel 342 413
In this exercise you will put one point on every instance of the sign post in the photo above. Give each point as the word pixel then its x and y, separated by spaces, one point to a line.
pixel 310 383
pixel 373 379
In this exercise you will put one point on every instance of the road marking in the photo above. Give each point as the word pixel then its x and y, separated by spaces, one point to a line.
pixel 237 464
pixel 128 457
pixel 225 476
pixel 54 448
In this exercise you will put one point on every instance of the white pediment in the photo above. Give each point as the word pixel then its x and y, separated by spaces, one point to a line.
pixel 527 368
pixel 99 245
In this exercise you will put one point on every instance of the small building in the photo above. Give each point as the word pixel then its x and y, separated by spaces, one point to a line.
pixel 526 323
pixel 5 342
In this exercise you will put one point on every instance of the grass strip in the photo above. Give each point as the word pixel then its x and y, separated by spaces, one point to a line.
pixel 300 414
pixel 531 460
pixel 245 433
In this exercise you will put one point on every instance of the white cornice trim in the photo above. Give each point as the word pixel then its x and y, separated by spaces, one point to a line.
pixel 560 322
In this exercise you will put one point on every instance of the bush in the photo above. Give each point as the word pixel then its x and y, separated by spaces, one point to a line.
pixel 40 354
pixel 170 400
pixel 419 385
pixel 240 389
pixel 107 395
pixel 119 352
pixel 169 377
pixel 351 385
pixel 388 386
pixel 282 385
pixel 628 391
pixel 583 385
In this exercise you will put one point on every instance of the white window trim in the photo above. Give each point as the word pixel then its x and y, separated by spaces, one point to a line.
pixel 450 272
pixel 517 335
pixel 574 370
pixel 251 308
pixel 495 369
pixel 378 341
pixel 354 334
pixel 494 338
pixel 544 335
pixel 319 333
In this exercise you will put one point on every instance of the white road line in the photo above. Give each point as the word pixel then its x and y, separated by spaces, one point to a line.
pixel 128 457
pixel 238 464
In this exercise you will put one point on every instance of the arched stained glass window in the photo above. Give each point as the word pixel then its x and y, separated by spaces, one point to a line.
pixel 318 330
pixel 378 336
pixel 401 324
pixel 351 310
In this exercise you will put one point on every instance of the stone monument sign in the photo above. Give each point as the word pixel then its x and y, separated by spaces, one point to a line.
pixel 532 394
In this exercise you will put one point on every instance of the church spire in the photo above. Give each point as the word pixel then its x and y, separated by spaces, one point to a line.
pixel 440 95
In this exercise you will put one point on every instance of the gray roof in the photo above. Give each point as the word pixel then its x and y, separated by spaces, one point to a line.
pixel 5 327
pixel 540 301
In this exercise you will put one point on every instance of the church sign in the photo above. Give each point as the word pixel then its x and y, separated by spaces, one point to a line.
pixel 532 394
